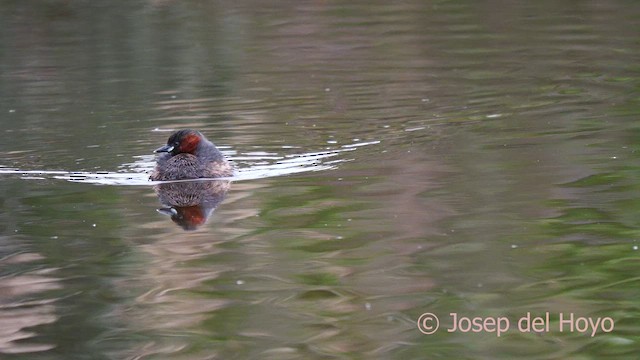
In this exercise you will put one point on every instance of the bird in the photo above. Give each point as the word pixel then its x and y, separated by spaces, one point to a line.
pixel 189 155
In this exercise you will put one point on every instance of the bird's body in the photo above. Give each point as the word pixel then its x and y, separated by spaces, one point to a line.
pixel 189 155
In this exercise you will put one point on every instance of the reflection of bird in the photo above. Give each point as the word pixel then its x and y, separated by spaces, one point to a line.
pixel 189 155
pixel 191 203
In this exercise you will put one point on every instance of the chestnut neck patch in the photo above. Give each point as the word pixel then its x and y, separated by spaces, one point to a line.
pixel 189 143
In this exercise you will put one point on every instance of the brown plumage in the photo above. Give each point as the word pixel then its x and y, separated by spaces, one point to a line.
pixel 189 155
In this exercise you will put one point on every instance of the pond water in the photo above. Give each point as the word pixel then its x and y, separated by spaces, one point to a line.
pixel 393 159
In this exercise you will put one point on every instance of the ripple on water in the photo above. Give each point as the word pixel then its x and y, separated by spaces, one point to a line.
pixel 250 165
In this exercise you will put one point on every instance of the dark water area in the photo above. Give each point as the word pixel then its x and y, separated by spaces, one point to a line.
pixel 393 159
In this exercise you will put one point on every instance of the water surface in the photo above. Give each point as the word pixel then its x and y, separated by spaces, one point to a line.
pixel 393 160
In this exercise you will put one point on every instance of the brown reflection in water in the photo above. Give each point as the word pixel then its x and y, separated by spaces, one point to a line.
pixel 283 305
pixel 191 203
pixel 17 316
pixel 174 280
pixel 169 310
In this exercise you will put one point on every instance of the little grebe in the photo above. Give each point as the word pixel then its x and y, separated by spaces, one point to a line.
pixel 189 155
